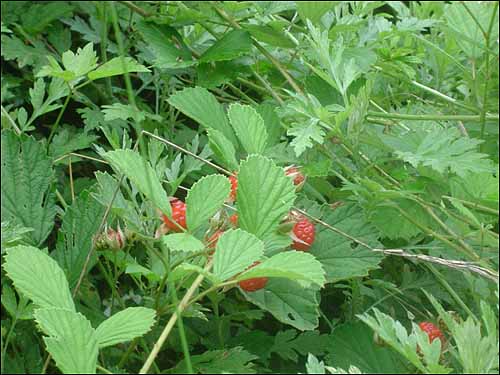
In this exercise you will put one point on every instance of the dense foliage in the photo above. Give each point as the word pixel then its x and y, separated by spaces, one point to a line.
pixel 249 187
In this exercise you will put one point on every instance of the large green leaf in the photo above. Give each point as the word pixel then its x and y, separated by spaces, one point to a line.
pixel 294 265
pixel 249 127
pixel 71 340
pixel 202 106
pixel 80 223
pixel 117 66
pixel 27 179
pixel 234 44
pixel 140 172
pixel 236 250
pixel 205 197
pixel 125 326
pixel 288 302
pixel 314 10
pixel 352 344
pixel 38 277
pixel 265 195
pixel 341 257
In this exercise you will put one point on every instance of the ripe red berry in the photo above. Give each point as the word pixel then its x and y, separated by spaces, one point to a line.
pixel 252 285
pixel 234 219
pixel 296 174
pixel 178 215
pixel 432 331
pixel 303 235
pixel 234 186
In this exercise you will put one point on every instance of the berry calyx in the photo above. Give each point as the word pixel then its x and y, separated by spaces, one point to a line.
pixel 433 332
pixel 234 186
pixel 252 285
pixel 178 215
pixel 303 235
pixel 296 174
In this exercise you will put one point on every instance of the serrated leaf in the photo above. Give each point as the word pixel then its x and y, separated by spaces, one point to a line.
pixel 81 62
pixel 123 112
pixel 72 340
pixel 233 44
pixel 140 172
pixel 117 66
pixel 265 195
pixel 288 302
pixel 182 242
pixel 269 35
pixel 236 250
pixel 341 257
pixel 304 135
pixel 38 277
pixel 27 179
pixel 202 106
pixel 39 16
pixel 79 225
pixel 294 265
pixel 249 127
pixel 125 326
pixel 223 149
pixel 205 197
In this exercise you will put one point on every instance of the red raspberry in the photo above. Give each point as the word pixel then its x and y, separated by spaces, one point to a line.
pixel 234 186
pixel 303 235
pixel 252 285
pixel 294 172
pixel 432 331
pixel 178 215
pixel 234 219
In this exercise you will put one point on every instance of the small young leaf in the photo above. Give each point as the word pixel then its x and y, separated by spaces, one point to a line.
pixel 117 66
pixel 182 242
pixel 125 326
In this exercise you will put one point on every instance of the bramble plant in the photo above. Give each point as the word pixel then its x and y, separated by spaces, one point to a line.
pixel 236 187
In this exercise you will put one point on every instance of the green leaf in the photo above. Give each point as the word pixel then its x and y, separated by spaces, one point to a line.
pixel 79 225
pixel 352 344
pixel 69 139
pixel 341 257
pixel 269 35
pixel 117 66
pixel 182 242
pixel 233 44
pixel 288 302
pixel 166 45
pixel 314 10
pixel 39 16
pixel 202 106
pixel 223 149
pixel 249 127
pixel 38 277
pixel 444 150
pixel 27 179
pixel 205 198
pixel 72 341
pixel 295 265
pixel 123 112
pixel 304 135
pixel 140 172
pixel 271 121
pixel 265 195
pixel 228 361
pixel 125 326
pixel 236 250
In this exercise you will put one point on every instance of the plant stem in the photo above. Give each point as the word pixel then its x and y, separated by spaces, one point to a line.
pixel 403 116
pixel 58 119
